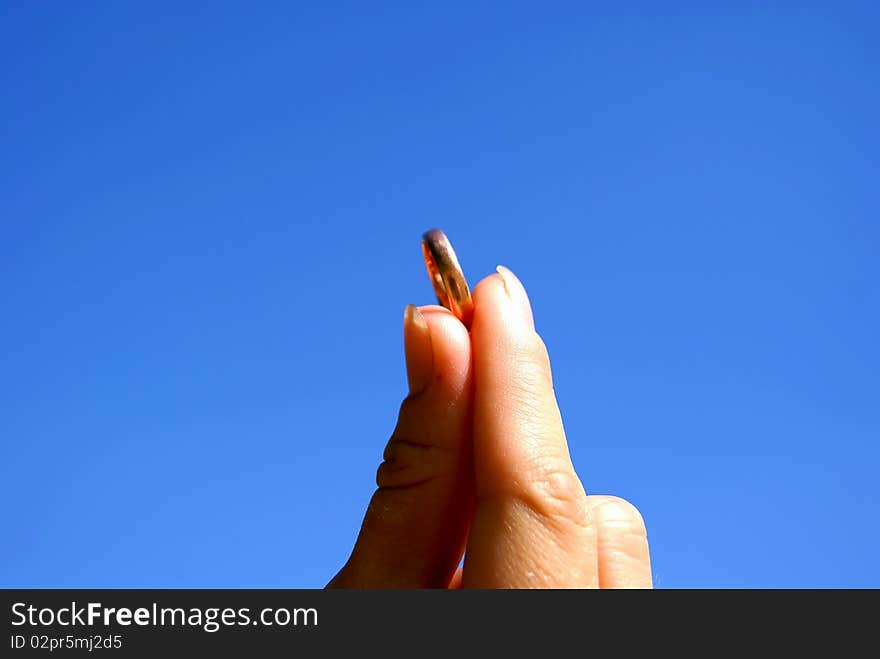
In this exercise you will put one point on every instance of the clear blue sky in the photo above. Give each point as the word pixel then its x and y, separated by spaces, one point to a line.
pixel 210 217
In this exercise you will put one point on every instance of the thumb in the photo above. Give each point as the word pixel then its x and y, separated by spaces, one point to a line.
pixel 415 527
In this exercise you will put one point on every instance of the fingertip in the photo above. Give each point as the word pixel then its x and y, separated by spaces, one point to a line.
pixel 501 302
pixel 516 294
pixel 451 345
pixel 490 291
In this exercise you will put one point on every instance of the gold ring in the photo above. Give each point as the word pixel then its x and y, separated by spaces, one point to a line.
pixel 445 273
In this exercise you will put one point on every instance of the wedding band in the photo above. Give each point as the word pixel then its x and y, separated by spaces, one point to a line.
pixel 446 276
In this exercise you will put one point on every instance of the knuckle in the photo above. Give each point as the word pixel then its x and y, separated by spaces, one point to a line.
pixel 554 492
pixel 408 463
pixel 622 515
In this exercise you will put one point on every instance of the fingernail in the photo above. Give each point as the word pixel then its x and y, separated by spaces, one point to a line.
pixel 517 294
pixel 418 350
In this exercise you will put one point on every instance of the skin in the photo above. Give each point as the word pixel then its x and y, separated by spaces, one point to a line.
pixel 478 465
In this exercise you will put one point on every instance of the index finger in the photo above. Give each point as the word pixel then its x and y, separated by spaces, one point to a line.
pixel 532 524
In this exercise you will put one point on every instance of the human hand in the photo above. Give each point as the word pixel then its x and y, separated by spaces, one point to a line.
pixel 479 465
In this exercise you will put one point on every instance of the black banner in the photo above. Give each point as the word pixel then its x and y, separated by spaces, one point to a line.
pixel 117 623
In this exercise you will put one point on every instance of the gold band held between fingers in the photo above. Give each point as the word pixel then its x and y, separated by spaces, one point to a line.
pixel 446 276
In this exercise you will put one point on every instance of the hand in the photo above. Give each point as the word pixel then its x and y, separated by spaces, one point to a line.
pixel 479 462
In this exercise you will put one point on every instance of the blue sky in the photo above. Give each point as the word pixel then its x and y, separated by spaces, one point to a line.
pixel 209 228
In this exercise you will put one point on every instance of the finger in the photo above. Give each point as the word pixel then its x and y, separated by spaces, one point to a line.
pixel 532 525
pixel 624 560
pixel 414 530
